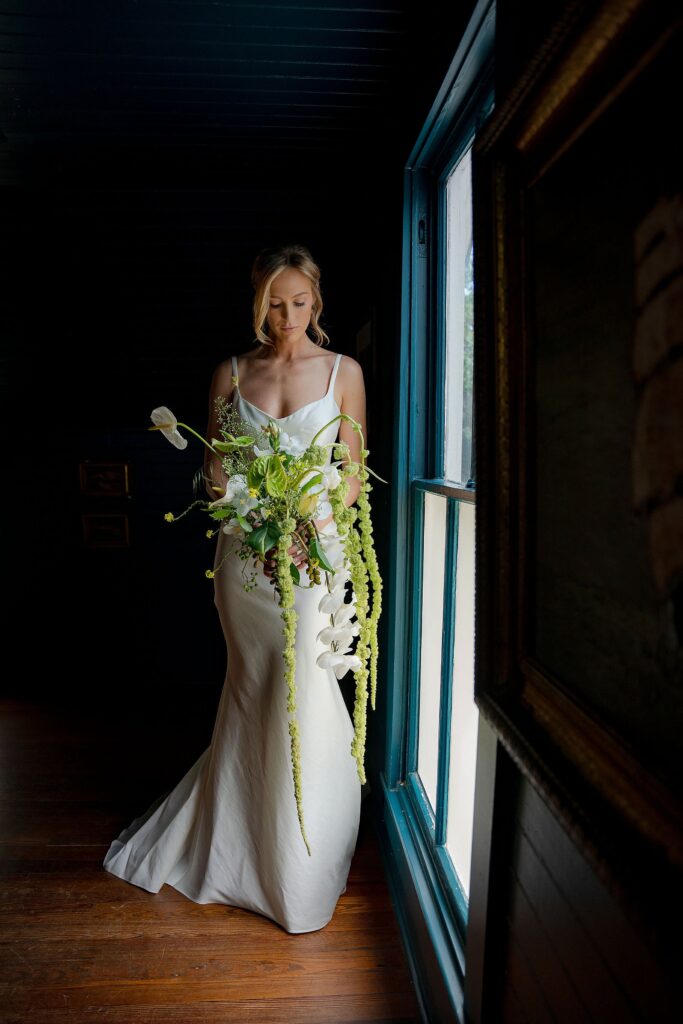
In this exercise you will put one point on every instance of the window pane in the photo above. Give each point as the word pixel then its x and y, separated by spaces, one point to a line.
pixel 464 712
pixel 459 323
pixel 434 547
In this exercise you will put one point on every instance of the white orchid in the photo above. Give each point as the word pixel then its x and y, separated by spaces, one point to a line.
pixel 331 603
pixel 343 626
pixel 339 635
pixel 164 420
pixel 339 663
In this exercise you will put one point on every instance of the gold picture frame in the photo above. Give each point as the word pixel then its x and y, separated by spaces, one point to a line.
pixel 543 681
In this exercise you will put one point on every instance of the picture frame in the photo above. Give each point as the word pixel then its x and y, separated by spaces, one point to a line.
pixel 101 479
pixel 105 530
pixel 576 615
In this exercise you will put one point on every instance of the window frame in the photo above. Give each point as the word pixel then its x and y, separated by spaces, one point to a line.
pixel 433 905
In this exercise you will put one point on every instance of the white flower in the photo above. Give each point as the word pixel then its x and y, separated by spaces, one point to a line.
pixel 339 663
pixel 344 614
pixel 237 494
pixel 332 476
pixel 290 444
pixel 330 603
pixel 165 421
pixel 261 451
pixel 324 510
pixel 339 581
pixel 340 635
pixel 233 527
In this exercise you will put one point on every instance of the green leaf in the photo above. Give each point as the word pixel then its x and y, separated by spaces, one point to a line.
pixel 256 473
pixel 222 513
pixel 276 478
pixel 296 575
pixel 314 480
pixel 316 551
pixel 244 523
pixel 264 537
pixel 235 442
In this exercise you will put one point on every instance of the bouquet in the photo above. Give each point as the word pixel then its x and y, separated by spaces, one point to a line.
pixel 276 488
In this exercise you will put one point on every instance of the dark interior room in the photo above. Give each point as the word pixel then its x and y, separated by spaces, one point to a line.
pixel 492 193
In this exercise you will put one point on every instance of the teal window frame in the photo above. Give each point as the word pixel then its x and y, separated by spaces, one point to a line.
pixel 416 834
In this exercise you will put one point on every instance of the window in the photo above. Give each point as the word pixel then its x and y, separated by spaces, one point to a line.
pixel 428 782
pixel 442 755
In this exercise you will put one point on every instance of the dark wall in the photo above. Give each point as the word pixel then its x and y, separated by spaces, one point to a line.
pixel 563 949
pixel 129 226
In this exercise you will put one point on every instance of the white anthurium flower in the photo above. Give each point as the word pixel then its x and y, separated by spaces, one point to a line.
pixel 339 663
pixel 164 419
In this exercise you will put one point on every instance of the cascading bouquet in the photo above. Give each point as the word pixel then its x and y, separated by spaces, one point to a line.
pixel 276 488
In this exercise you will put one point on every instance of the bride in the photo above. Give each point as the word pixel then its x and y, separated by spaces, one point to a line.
pixel 229 831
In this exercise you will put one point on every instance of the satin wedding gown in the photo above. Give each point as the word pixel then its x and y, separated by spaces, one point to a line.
pixel 229 831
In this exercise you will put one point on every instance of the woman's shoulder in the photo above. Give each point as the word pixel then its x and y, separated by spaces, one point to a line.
pixel 221 380
pixel 350 369
pixel 223 370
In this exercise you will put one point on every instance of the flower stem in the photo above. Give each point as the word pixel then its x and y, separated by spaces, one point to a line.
pixel 202 439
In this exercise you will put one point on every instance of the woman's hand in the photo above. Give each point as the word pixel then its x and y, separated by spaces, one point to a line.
pixel 297 553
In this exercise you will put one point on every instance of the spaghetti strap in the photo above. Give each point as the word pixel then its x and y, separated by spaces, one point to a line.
pixel 234 367
pixel 330 390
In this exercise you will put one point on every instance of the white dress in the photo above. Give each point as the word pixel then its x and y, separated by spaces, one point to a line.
pixel 229 830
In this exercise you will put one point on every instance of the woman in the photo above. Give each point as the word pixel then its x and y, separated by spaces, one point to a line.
pixel 229 831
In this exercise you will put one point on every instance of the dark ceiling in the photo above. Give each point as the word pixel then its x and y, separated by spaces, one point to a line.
pixel 149 149
pixel 210 90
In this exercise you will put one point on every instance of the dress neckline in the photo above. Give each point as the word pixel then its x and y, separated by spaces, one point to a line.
pixel 280 419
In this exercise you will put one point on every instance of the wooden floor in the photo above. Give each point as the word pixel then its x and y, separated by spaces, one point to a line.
pixel 79 944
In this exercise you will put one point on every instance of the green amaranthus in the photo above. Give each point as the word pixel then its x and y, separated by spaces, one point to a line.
pixel 272 508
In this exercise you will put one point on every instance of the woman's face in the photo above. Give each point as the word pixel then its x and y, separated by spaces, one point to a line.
pixel 290 306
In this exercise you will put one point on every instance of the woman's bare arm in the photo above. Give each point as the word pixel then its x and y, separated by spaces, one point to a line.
pixel 353 403
pixel 221 384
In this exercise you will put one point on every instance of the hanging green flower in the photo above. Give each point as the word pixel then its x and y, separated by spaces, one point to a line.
pixel 276 488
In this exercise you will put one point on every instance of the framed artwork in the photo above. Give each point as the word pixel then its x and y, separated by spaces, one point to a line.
pixel 104 479
pixel 579 233
pixel 105 530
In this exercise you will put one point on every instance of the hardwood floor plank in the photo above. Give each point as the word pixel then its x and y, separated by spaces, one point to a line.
pixel 78 944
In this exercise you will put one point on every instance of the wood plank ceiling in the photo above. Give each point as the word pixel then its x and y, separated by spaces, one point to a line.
pixel 149 148
pixel 215 87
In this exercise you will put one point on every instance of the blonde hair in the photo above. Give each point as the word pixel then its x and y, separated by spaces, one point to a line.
pixel 267 265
